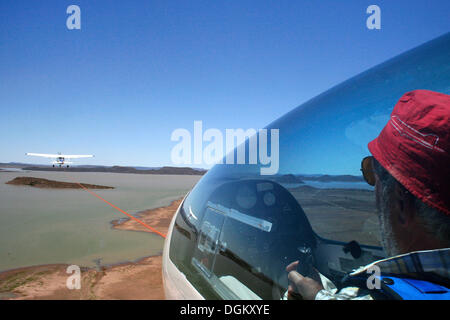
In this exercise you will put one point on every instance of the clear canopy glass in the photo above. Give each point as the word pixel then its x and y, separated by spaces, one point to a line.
pixel 238 230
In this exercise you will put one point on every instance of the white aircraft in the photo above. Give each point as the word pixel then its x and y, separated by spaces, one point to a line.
pixel 60 158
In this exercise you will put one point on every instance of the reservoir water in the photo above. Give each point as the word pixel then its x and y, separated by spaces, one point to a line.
pixel 46 226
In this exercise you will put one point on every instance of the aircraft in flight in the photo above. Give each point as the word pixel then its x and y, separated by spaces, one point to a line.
pixel 60 159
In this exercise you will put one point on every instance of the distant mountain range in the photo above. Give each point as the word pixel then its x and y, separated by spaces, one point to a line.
pixel 330 178
pixel 114 169
pixel 300 179
pixel 288 178
pixel 282 178
pixel 17 165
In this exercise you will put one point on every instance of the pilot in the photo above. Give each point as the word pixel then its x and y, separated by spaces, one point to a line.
pixel 410 169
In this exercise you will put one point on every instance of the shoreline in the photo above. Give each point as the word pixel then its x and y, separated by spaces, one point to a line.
pixel 52 184
pixel 138 279
pixel 157 218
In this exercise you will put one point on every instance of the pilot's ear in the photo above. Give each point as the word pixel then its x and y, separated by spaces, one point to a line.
pixel 403 205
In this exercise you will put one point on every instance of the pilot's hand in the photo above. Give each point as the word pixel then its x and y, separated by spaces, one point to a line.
pixel 298 284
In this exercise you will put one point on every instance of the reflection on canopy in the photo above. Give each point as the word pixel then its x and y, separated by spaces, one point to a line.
pixel 239 229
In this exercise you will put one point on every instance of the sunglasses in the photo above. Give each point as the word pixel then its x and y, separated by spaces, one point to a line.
pixel 368 170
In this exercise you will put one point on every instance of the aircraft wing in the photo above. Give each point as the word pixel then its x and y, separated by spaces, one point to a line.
pixel 66 156
pixel 45 155
pixel 76 156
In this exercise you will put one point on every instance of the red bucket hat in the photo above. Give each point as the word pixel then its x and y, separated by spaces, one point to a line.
pixel 414 146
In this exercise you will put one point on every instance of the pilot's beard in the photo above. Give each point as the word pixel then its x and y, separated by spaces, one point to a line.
pixel 388 239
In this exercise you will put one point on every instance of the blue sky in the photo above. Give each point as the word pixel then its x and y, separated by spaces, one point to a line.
pixel 137 70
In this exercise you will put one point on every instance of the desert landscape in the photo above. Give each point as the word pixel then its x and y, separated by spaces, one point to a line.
pixel 132 280
pixel 140 277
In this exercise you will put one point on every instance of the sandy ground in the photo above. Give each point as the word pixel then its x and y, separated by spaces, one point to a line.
pixel 158 218
pixel 136 280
